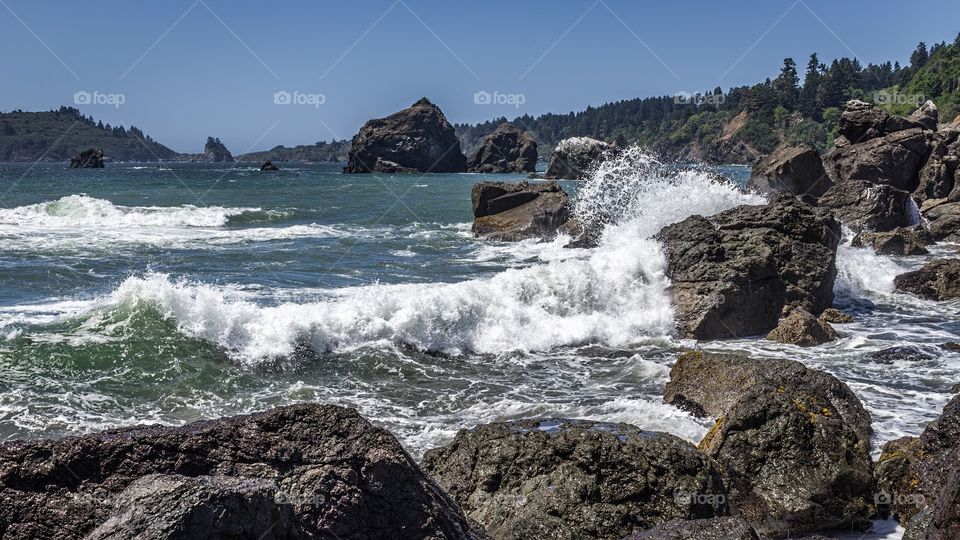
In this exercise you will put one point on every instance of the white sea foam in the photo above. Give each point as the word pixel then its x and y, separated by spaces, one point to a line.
pixel 84 211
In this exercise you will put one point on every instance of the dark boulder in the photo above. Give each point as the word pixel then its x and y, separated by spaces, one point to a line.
pixel 942 219
pixel 722 528
pixel 864 205
pixel 215 151
pixel 794 169
pixel 793 443
pixel 894 160
pixel 801 328
pixel 569 479
pixel 861 121
pixel 269 166
pixel 506 150
pixel 328 472
pixel 939 279
pixel 900 241
pixel 939 175
pixel 835 316
pixel 900 353
pixel 514 211
pixel 733 273
pixel 927 116
pixel 88 159
pixel 416 139
pixel 575 158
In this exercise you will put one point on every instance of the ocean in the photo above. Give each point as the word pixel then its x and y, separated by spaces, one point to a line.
pixel 146 293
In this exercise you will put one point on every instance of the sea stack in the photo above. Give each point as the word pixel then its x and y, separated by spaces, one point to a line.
pixel 506 150
pixel 214 151
pixel 418 139
pixel 88 159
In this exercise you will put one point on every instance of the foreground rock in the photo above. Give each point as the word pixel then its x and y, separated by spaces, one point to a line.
pixel 88 159
pixel 506 150
pixel 722 528
pixel 269 166
pixel 215 151
pixel 416 139
pixel 734 273
pixel 793 443
pixel 937 280
pixel 794 169
pixel 575 158
pixel 900 241
pixel 801 328
pixel 939 175
pixel 303 471
pixel 569 479
pixel 864 205
pixel 943 219
pixel 514 211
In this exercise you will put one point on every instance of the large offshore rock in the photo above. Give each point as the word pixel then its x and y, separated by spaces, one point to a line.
pixel 939 279
pixel 514 211
pixel 794 169
pixel 864 205
pixel 214 151
pixel 88 159
pixel 416 139
pixel 506 150
pixel 327 471
pixel 733 273
pixel 793 443
pixel 576 157
pixel 571 479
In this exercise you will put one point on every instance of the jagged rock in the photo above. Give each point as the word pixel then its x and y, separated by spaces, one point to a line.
pixel 341 476
pixel 835 316
pixel 900 241
pixel 939 279
pixel 722 528
pixel 88 159
pixel 793 443
pixel 861 121
pixel 269 166
pixel 864 205
pixel 733 273
pixel 514 211
pixel 794 169
pixel 569 479
pixel 418 138
pixel 927 116
pixel 939 175
pixel 215 151
pixel 506 150
pixel 801 328
pixel 894 160
pixel 576 157
pixel 942 219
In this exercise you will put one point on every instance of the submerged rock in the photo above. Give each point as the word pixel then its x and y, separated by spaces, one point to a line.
pixel 734 273
pixel 514 211
pixel 327 471
pixel 906 353
pixel 865 205
pixel 835 316
pixel 506 150
pixel 900 241
pixel 269 166
pixel 88 159
pixel 794 169
pixel 416 139
pixel 215 151
pixel 722 528
pixel 801 328
pixel 793 443
pixel 576 157
pixel 939 279
pixel 568 479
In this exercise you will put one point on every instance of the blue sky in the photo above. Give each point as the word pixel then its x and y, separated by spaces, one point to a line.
pixel 187 69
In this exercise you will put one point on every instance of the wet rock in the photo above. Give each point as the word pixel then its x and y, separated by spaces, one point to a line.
pixel 793 443
pixel 722 528
pixel 865 205
pixel 514 211
pixel 900 241
pixel 955 389
pixel 568 479
pixel 88 159
pixel 576 157
pixel 939 279
pixel 794 169
pixel 900 353
pixel 835 316
pixel 418 139
pixel 506 150
pixel 214 151
pixel 734 273
pixel 269 166
pixel 801 328
pixel 339 475
pixel 942 218
pixel 940 520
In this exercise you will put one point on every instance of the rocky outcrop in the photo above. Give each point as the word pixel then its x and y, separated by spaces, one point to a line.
pixel 937 280
pixel 794 169
pixel 900 241
pixel 575 158
pixel 416 139
pixel 894 159
pixel 514 211
pixel 269 166
pixel 801 328
pixel 302 471
pixel 506 150
pixel 88 159
pixel 864 205
pixel 722 528
pixel 939 175
pixel 567 479
pixel 215 151
pixel 835 316
pixel 793 443
pixel 732 274
pixel 942 219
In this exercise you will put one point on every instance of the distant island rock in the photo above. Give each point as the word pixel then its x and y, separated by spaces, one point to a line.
pixel 506 150
pixel 214 151
pixel 269 166
pixel 574 158
pixel 416 139
pixel 88 159
pixel 321 152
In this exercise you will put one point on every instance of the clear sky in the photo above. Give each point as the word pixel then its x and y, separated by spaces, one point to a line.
pixel 186 69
